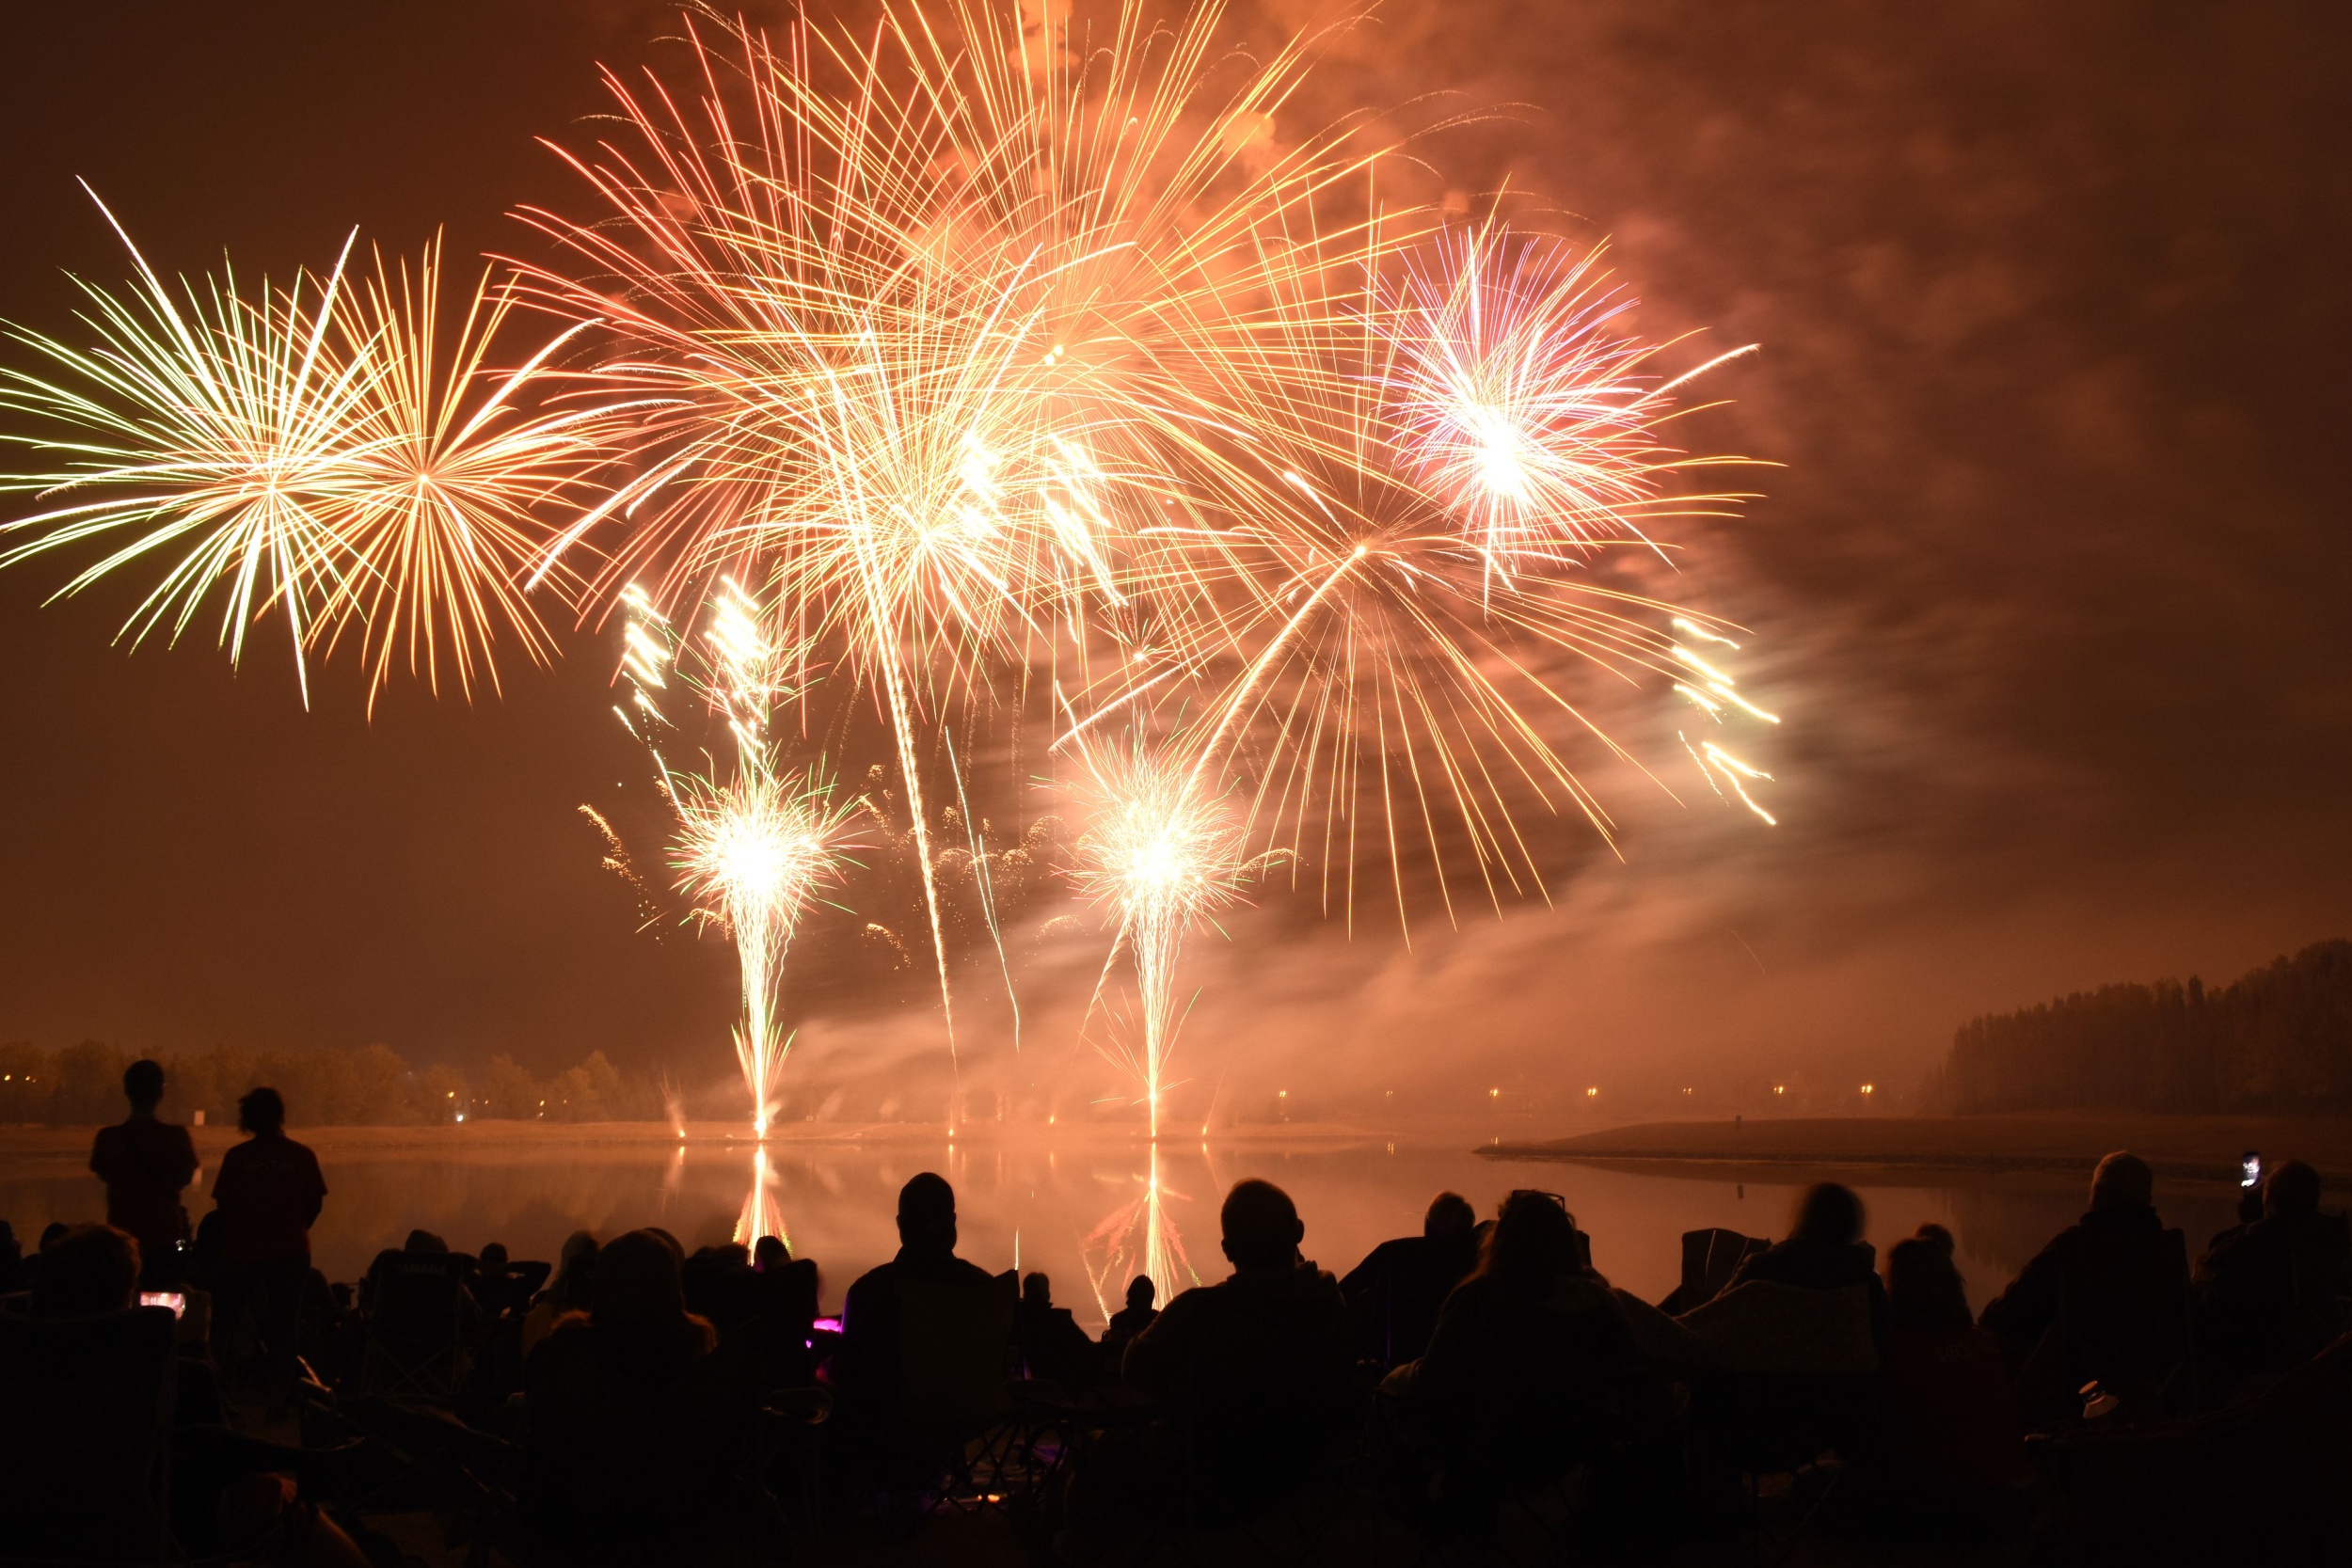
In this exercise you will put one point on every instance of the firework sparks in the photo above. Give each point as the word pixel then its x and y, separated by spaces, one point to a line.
pixel 755 852
pixel 340 452
pixel 1161 855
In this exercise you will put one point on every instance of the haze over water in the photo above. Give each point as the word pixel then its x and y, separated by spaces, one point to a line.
pixel 1078 1210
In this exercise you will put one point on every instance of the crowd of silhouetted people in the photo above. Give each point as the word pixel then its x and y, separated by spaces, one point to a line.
pixel 179 1389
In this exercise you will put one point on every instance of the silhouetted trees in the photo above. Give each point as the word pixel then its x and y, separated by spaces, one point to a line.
pixel 2279 1039
pixel 370 1086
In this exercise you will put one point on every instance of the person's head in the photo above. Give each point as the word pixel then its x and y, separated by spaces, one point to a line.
pixel 1142 1291
pixel 575 1270
pixel 261 1112
pixel 88 1270
pixel 1449 1216
pixel 1936 1235
pixel 927 1213
pixel 637 1284
pixel 1532 1242
pixel 423 1241
pixel 770 1252
pixel 1923 1288
pixel 1037 1291
pixel 2292 1191
pixel 1262 1226
pixel 143 1084
pixel 1828 1211
pixel 7 1238
pixel 2122 1181
pixel 494 1257
pixel 53 1232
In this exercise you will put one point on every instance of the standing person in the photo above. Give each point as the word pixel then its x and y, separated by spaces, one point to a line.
pixel 267 1193
pixel 144 1163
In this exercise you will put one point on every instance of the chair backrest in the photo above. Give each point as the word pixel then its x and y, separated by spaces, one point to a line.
pixel 84 1407
pixel 1709 1258
pixel 417 1295
pixel 952 1340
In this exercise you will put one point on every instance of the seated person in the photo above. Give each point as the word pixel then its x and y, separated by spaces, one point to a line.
pixel 88 1270
pixel 720 1286
pixel 1261 1358
pixel 12 1279
pixel 1394 1294
pixel 2271 1293
pixel 636 1426
pixel 503 1287
pixel 1953 1449
pixel 1053 1346
pixel 925 1335
pixel 2104 1300
pixel 1824 1250
pixel 1527 1352
pixel 1129 1321
pixel 575 1274
pixel 783 1298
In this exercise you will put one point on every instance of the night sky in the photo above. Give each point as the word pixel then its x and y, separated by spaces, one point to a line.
pixel 2050 580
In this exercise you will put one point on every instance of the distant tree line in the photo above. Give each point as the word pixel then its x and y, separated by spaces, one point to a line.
pixel 2279 1039
pixel 368 1085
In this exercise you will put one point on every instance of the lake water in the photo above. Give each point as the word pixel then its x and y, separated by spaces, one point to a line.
pixel 1090 1215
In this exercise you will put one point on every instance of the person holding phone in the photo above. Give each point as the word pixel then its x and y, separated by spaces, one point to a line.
pixel 146 1162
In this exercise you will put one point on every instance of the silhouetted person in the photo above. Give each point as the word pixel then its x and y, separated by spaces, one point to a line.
pixel 1259 1359
pixel 145 1164
pixel 12 1275
pixel 1130 1319
pixel 2105 1299
pixel 89 1270
pixel 1394 1294
pixel 2271 1295
pixel 1527 1350
pixel 1053 1346
pixel 1953 1449
pixel 635 1423
pixel 568 1291
pixel 1824 1250
pixel 267 1193
pixel 782 1293
pixel 917 1352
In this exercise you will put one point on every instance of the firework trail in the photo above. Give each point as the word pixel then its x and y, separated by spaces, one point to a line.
pixel 340 452
pixel 617 860
pixel 1160 855
pixel 756 849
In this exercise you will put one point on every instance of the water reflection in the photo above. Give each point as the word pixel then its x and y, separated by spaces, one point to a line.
pixel 1092 1217
pixel 762 1216
pixel 1138 1237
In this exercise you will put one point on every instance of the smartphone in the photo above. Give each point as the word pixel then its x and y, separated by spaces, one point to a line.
pixel 2249 1168
pixel 173 1299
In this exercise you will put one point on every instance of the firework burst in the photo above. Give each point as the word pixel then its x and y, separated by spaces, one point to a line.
pixel 338 452
pixel 1161 855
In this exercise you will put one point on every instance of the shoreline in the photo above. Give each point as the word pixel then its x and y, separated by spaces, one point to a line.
pixel 2198 1149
